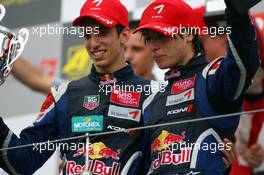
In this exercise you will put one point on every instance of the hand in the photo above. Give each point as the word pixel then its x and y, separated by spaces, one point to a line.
pixel 253 155
pixel 229 153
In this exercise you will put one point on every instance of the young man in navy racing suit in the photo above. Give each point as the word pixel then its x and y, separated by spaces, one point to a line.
pixel 196 89
pixel 81 106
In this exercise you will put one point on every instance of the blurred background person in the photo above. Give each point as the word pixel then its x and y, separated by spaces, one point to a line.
pixel 138 54
pixel 140 57
pixel 250 133
pixel 32 76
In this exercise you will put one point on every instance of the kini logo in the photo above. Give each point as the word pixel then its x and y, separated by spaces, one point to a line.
pixel 180 110
pixel 182 85
pixel 125 98
pixel 180 98
pixel 124 113
pixel 87 123
pixel 91 102
pixel 159 8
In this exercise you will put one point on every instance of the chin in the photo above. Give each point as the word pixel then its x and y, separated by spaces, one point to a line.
pixel 163 66
pixel 101 63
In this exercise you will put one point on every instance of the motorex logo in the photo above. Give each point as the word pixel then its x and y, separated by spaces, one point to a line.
pixel 87 123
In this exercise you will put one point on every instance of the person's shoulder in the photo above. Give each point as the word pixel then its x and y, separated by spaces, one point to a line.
pixel 81 82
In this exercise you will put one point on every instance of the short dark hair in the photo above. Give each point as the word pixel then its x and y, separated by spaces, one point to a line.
pixel 197 43
pixel 133 25
pixel 119 29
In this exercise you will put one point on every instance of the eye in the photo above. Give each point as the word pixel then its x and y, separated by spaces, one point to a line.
pixel 103 31
pixel 87 36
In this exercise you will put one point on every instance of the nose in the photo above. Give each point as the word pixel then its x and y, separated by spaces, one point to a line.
pixel 128 54
pixel 94 41
pixel 153 45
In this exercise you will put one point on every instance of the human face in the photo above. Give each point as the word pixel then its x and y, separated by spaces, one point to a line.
pixel 139 55
pixel 169 52
pixel 105 48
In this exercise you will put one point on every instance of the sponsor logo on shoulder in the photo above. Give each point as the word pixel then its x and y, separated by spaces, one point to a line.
pixel 182 85
pixel 214 68
pixel 180 98
pixel 124 113
pixel 125 98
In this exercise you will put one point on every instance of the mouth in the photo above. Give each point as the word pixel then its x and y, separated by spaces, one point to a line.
pixel 158 58
pixel 98 54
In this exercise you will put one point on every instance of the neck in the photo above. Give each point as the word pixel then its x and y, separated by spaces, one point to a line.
pixel 148 76
pixel 187 58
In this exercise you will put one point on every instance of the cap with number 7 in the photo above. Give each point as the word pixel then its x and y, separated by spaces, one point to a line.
pixel 109 13
pixel 163 15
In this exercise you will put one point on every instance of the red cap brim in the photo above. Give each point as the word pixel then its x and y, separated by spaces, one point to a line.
pixel 163 28
pixel 105 21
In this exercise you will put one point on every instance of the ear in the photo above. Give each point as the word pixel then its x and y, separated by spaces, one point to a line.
pixel 125 34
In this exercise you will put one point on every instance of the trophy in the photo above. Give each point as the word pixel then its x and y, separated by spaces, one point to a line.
pixel 11 47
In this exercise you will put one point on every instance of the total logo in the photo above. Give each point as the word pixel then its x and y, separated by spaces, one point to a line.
pixel 181 110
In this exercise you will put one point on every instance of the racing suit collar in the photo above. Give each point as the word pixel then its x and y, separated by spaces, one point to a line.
pixel 121 74
pixel 193 66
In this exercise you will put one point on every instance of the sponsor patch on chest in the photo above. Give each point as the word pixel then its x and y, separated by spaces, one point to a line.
pixel 87 123
pixel 125 98
pixel 91 102
pixel 124 113
pixel 182 85
pixel 180 98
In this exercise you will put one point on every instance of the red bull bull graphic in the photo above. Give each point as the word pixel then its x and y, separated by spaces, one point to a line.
pixel 98 151
pixel 165 139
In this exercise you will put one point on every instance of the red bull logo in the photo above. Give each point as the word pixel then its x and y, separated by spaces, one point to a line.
pixel 107 79
pixel 168 157
pixel 165 139
pixel 98 151
pixel 94 166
